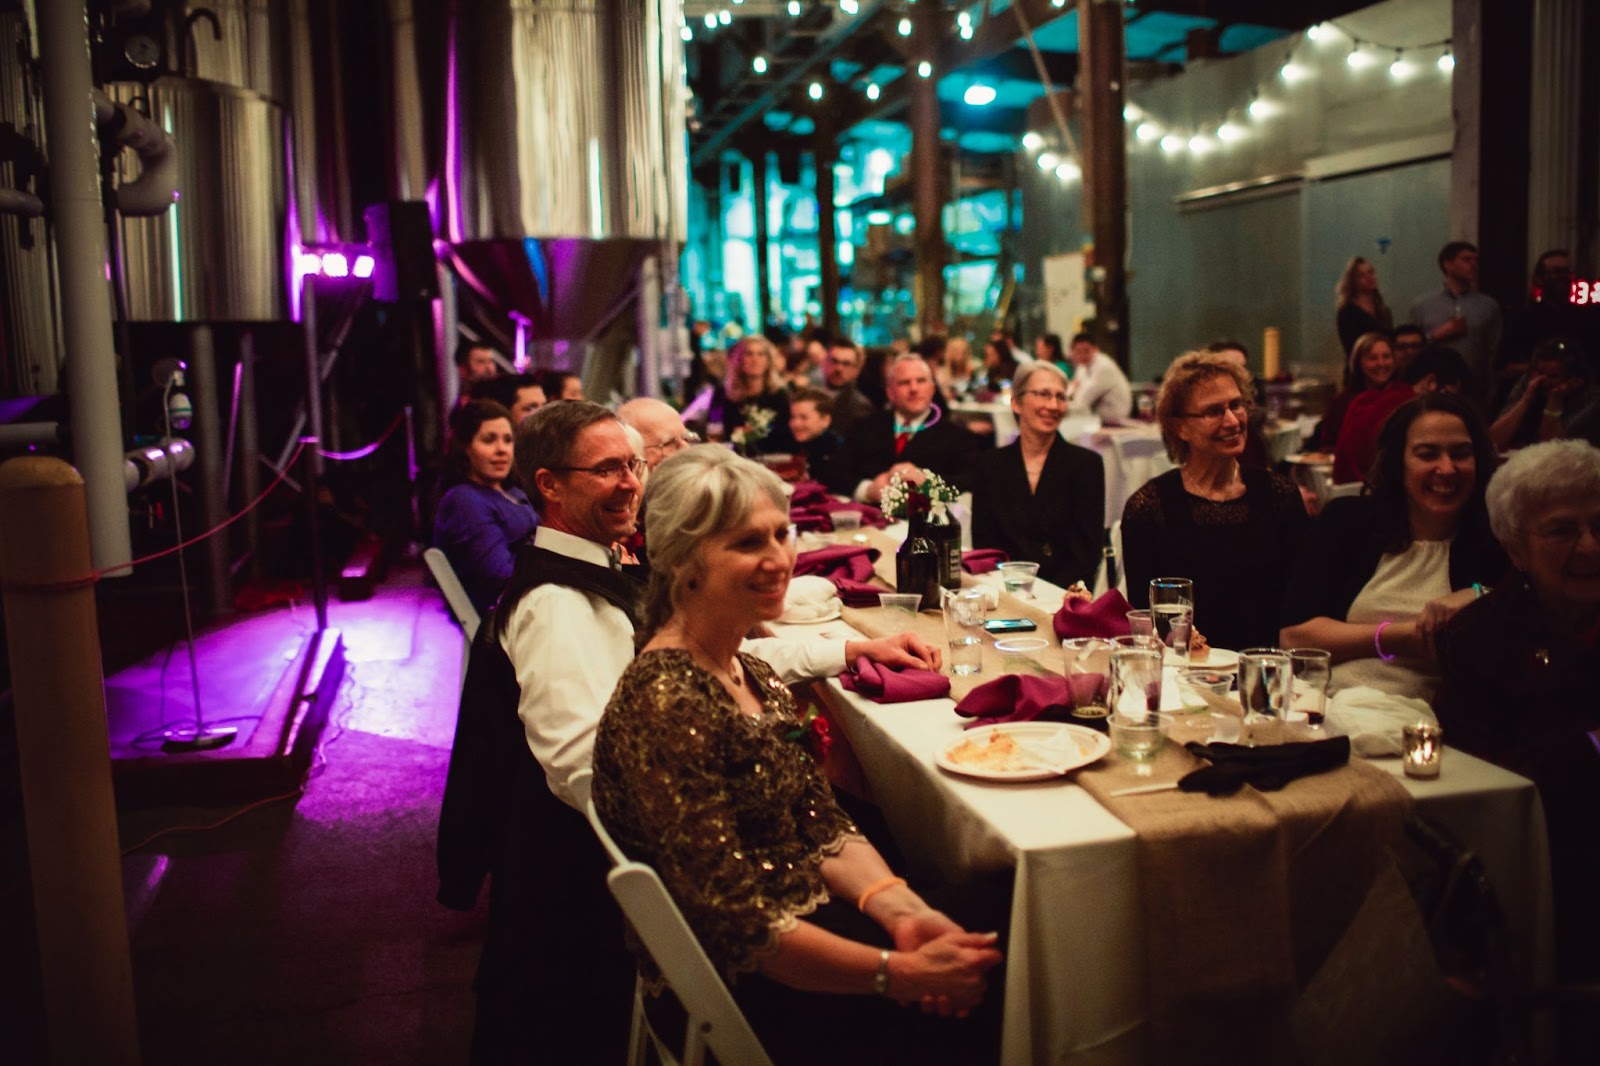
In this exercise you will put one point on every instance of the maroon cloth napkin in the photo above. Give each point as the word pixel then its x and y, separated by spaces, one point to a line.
pixel 894 684
pixel 1104 617
pixel 806 491
pixel 982 560
pixel 857 593
pixel 839 560
pixel 1017 698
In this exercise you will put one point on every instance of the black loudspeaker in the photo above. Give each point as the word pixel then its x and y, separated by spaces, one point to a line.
pixel 401 237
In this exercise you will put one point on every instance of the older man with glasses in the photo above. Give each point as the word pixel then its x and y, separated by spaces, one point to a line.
pixel 660 426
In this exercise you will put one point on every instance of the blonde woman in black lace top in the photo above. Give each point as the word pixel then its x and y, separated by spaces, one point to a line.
pixel 703 770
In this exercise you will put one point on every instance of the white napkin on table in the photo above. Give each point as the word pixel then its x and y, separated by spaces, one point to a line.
pixel 810 599
pixel 1373 720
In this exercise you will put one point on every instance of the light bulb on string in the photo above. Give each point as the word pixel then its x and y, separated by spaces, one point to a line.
pixel 1031 141
pixel 1447 62
pixel 1200 144
pixel 711 20
pixel 1262 108
pixel 1048 160
pixel 686 33
pixel 1173 143
pixel 794 8
pixel 1229 132
pixel 873 91
pixel 1069 171
pixel 1131 113
pixel 1293 72
pixel 1147 132
pixel 814 90
pixel 1402 68
pixel 1319 33
pixel 904 27
pixel 759 64
pixel 1359 58
pixel 965 33
pixel 924 69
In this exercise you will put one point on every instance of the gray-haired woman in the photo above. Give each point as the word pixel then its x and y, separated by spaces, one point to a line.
pixel 1522 677
pixel 702 769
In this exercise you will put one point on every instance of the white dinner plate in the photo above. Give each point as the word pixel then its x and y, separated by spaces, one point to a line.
pixel 1219 659
pixel 1065 746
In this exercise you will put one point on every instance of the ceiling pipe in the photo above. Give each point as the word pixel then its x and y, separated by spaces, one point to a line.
pixel 17 202
pixel 153 191
pixel 80 232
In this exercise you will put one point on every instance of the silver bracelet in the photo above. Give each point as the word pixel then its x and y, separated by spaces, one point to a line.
pixel 880 981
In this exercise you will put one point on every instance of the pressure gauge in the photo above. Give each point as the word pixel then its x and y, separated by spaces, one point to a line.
pixel 141 51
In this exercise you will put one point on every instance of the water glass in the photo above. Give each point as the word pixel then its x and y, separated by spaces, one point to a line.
pixel 1088 662
pixel 964 614
pixel 845 525
pixel 1137 738
pixel 1024 655
pixel 1135 689
pixel 1141 624
pixel 1172 605
pixel 1018 578
pixel 1264 688
pixel 1196 683
pixel 1311 669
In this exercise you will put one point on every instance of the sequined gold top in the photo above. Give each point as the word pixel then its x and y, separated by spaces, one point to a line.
pixel 732 813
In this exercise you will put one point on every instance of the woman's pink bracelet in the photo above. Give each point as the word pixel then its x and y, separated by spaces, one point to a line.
pixel 1377 643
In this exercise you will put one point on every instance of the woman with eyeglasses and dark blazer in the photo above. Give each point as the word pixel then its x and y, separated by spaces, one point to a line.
pixel 1230 529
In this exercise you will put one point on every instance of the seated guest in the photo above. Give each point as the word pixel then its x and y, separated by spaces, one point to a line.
pixel 1039 498
pixel 480 520
pixel 1099 387
pixel 1229 528
pixel 1380 573
pixel 1409 339
pixel 811 424
pixel 841 368
pixel 1369 366
pixel 753 384
pixel 561 385
pixel 1521 672
pixel 1434 369
pixel 475 362
pixel 1047 349
pixel 798 910
pixel 1357 442
pixel 999 367
pixel 659 427
pixel 955 377
pixel 911 436
pixel 521 394
pixel 1555 398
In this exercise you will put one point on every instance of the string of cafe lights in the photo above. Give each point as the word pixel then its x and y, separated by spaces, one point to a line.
pixel 1265 101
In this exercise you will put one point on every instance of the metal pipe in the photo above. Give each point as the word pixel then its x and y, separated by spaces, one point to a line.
pixel 64 756
pixel 22 434
pixel 85 303
pixel 410 176
pixel 649 309
pixel 153 191
pixel 17 202
pixel 166 458
pixel 208 438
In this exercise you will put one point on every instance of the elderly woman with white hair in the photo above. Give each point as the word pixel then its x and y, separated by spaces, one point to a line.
pixel 706 769
pixel 1522 672
pixel 1041 499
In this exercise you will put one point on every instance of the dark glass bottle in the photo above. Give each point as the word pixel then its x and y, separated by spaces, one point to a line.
pixel 916 564
pixel 945 531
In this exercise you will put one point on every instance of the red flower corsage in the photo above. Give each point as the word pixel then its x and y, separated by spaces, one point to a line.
pixel 813 734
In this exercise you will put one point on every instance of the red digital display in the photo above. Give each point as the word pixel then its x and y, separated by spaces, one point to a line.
pixel 1584 292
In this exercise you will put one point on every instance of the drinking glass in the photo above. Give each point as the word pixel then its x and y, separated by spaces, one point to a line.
pixel 1087 661
pixel 1024 655
pixel 1135 689
pixel 1018 578
pixel 1264 679
pixel 1141 624
pixel 845 526
pixel 1311 669
pixel 1172 605
pixel 964 614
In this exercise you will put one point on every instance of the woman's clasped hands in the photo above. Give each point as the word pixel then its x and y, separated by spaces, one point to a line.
pixel 938 965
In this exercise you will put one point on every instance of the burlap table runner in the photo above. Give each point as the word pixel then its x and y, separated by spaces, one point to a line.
pixel 1243 896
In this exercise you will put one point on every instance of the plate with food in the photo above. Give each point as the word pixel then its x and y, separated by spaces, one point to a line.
pixel 1215 658
pixel 1023 751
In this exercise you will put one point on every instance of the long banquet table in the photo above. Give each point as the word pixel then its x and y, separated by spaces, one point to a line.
pixel 1075 959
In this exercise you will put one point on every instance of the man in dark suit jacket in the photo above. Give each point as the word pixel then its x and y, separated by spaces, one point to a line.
pixel 840 369
pixel 912 435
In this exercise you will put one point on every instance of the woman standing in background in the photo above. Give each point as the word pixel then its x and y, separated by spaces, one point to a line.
pixel 1360 305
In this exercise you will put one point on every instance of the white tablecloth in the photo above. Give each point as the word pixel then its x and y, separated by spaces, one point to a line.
pixel 1074 960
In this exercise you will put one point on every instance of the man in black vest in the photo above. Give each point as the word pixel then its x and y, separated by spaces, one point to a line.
pixel 542 669
pixel 913 435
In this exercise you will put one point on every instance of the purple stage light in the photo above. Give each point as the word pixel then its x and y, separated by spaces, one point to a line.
pixel 363 267
pixel 335 265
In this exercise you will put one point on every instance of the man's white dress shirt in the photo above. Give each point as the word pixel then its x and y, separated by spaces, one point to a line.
pixel 1100 389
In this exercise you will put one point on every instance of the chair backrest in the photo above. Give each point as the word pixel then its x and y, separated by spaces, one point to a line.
pixel 715 1020
pixel 1345 488
pixel 454 594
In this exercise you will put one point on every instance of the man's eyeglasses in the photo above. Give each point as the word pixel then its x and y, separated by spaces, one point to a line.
pixel 612 470
pixel 1238 408
pixel 1046 394
pixel 672 445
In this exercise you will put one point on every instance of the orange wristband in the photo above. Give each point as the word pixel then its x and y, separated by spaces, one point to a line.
pixel 876 887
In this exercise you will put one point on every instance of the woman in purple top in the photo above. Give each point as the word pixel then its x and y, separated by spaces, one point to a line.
pixel 481 520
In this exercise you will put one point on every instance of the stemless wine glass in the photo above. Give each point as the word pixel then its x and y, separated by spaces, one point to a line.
pixel 1172 605
pixel 1264 679
pixel 1311 669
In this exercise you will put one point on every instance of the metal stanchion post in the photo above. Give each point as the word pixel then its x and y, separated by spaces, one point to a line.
pixel 64 756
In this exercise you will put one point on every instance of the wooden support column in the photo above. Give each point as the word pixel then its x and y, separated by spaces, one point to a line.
pixel 824 151
pixel 1105 170
pixel 758 200
pixel 926 173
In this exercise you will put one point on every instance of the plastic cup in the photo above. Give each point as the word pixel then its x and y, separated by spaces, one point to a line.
pixel 846 522
pixel 1018 578
pixel 1087 662
pixel 1311 669
pixel 1024 655
pixel 1141 624
pixel 901 608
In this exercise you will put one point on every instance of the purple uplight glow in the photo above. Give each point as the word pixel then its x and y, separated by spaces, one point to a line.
pixel 363 266
pixel 335 265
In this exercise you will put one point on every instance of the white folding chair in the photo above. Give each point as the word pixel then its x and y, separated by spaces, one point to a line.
pixel 715 1021
pixel 454 594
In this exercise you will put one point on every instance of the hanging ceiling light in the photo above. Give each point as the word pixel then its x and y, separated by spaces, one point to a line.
pixel 904 27
pixel 759 64
pixel 1031 141
pixel 979 94
pixel 873 92
pixel 1402 68
pixel 1069 171
pixel 924 69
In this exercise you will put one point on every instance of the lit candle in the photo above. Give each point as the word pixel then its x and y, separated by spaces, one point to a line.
pixel 1269 353
pixel 1423 749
